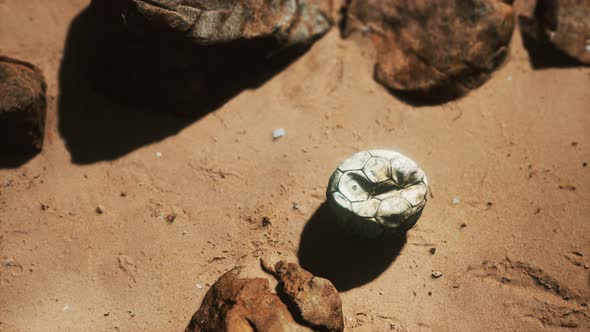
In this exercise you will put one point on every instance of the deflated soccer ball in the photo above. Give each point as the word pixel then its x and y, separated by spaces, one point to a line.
pixel 377 190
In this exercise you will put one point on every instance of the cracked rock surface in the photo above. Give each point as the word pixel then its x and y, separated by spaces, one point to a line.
pixel 289 22
pixel 315 300
pixel 22 106
pixel 562 25
pixel 435 49
pixel 241 304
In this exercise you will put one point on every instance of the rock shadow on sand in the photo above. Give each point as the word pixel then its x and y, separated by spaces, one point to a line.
pixel 120 91
pixel 328 251
pixel 16 160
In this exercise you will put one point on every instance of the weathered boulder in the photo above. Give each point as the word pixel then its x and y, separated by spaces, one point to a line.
pixel 235 304
pixel 315 300
pixel 437 49
pixel 556 28
pixel 289 22
pixel 22 106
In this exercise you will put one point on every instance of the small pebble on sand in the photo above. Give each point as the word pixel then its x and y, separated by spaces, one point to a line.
pixel 278 133
pixel 436 274
pixel 100 209
pixel 171 217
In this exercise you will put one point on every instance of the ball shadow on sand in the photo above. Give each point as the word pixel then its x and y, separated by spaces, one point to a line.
pixel 330 252
pixel 121 89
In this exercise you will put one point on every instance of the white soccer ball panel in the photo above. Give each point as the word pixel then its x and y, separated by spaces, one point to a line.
pixel 414 176
pixel 386 189
pixel 357 161
pixel 385 154
pixel 393 211
pixel 334 181
pixel 354 186
pixel 414 194
pixel 377 169
pixel 400 168
pixel 366 209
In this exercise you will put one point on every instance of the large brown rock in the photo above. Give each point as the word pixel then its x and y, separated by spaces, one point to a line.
pixel 315 300
pixel 22 106
pixel 236 304
pixel 551 28
pixel 203 22
pixel 436 49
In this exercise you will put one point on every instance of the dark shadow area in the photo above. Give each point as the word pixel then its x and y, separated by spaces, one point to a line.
pixel 542 53
pixel 15 159
pixel 328 251
pixel 432 97
pixel 122 89
pixel 343 21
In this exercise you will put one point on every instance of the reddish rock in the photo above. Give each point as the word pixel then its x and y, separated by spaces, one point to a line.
pixel 553 28
pixel 235 304
pixel 315 299
pixel 438 49
pixel 22 106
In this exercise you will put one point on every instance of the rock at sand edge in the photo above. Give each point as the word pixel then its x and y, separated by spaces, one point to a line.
pixel 434 49
pixel 302 303
pixel 22 106
pixel 556 26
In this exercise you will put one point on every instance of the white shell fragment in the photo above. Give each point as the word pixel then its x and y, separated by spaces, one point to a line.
pixel 278 133
pixel 377 190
